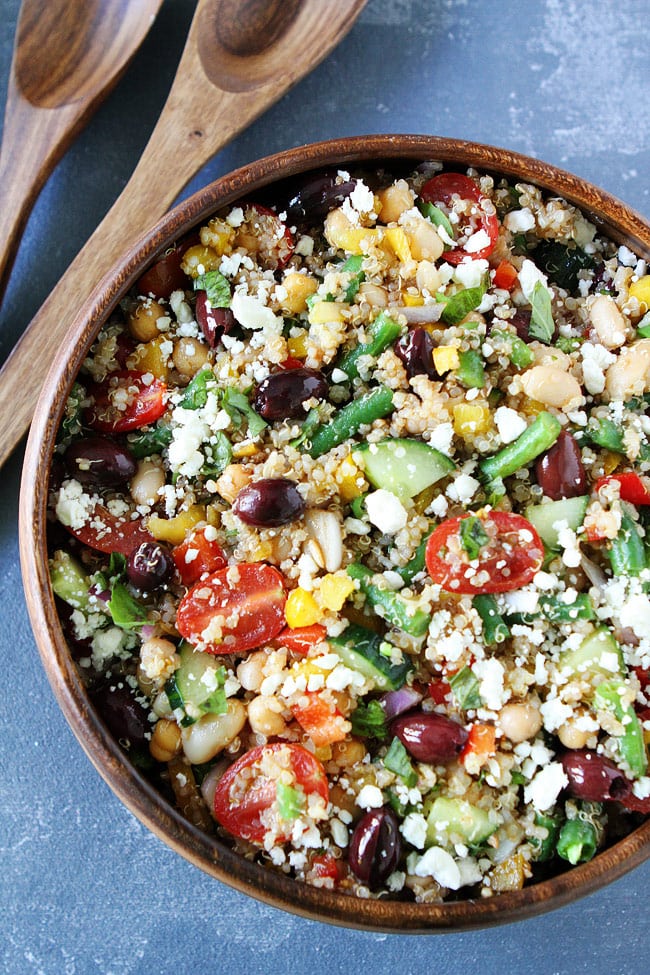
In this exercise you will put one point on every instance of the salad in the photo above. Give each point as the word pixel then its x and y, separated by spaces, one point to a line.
pixel 348 532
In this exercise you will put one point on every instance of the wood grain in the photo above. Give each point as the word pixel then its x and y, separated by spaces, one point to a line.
pixel 68 55
pixel 206 851
pixel 217 92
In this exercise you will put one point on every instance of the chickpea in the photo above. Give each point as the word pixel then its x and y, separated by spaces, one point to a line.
pixel 143 320
pixel 573 737
pixel 428 277
pixel 348 752
pixel 552 387
pixel 265 716
pixel 424 240
pixel 249 672
pixel 395 200
pixel 373 295
pixel 520 721
pixel 234 478
pixel 298 288
pixel 189 356
pixel 147 481
pixel 336 226
pixel 165 741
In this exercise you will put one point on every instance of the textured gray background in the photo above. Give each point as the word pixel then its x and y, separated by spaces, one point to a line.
pixel 86 890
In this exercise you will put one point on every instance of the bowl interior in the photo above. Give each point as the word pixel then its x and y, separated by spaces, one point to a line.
pixel 613 219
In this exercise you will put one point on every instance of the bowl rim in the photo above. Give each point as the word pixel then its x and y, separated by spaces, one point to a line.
pixel 613 218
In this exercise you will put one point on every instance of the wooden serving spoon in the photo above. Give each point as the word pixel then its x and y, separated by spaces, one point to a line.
pixel 68 55
pixel 239 58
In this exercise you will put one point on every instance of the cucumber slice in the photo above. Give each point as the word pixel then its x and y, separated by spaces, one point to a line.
pixel 402 466
pixel 368 653
pixel 597 654
pixel 545 517
pixel 69 581
pixel 449 819
pixel 197 686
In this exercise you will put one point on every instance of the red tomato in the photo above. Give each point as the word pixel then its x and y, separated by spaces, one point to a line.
pixel 251 606
pixel 481 743
pixel 125 402
pixel 643 676
pixel 291 363
pixel 442 189
pixel 505 276
pixel 106 533
pixel 245 797
pixel 323 722
pixel 508 560
pixel 633 487
pixel 302 638
pixel 439 691
pixel 323 866
pixel 264 234
pixel 206 555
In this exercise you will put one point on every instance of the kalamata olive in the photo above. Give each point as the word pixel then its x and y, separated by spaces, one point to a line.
pixel 318 194
pixel 429 737
pixel 214 322
pixel 375 846
pixel 559 471
pixel 593 777
pixel 521 322
pixel 126 719
pixel 415 349
pixel 166 274
pixel 269 502
pixel 282 394
pixel 149 566
pixel 98 461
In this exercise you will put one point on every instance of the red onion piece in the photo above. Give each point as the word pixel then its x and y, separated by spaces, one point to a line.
pixel 396 702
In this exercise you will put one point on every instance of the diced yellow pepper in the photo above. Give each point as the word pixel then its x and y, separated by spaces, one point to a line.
pixel 334 590
pixel 641 290
pixel 445 358
pixel 510 874
pixel 610 461
pixel 532 407
pixel 359 240
pixel 398 243
pixel 149 357
pixel 199 259
pixel 298 288
pixel 301 609
pixel 244 450
pixel 350 480
pixel 471 419
pixel 218 234
pixel 263 551
pixel 174 530
pixel 324 312
pixel 297 345
pixel 412 301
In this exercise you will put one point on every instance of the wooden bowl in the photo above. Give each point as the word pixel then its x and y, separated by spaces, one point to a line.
pixel 614 219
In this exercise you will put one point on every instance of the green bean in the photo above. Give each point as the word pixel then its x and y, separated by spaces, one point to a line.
pixel 557 611
pixel 546 848
pixel 383 332
pixel 494 628
pixel 607 697
pixel 518 352
pixel 395 609
pixel 471 371
pixel 409 571
pixel 627 555
pixel 344 424
pixel 538 437
pixel 577 842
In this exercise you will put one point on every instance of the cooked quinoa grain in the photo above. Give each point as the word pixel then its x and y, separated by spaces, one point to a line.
pixel 356 511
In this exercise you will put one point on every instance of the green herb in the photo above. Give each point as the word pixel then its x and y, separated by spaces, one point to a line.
pixel 541 325
pixel 239 410
pixel 605 433
pixel 568 344
pixel 125 611
pixel 518 778
pixel 353 266
pixel 436 216
pixel 577 842
pixel 72 418
pixel 369 720
pixel 562 263
pixel 462 303
pixel 465 688
pixel 291 802
pixel 397 760
pixel 116 566
pixel 358 506
pixel 218 453
pixel 216 287
pixel 473 536
pixel 196 392
pixel 151 441
pixel 545 848
pixel 316 299
pixel 643 328
pixel 471 371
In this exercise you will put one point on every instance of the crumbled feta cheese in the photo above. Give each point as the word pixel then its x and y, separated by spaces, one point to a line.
pixel 440 865
pixel 519 221
pixel 509 424
pixel 386 511
pixel 491 673
pixel 470 273
pixel 370 797
pixel 74 507
pixel 414 830
pixel 546 786
pixel 477 242
pixel 555 713
pixel 442 437
pixel 635 613
pixel 439 506
pixel 529 276
pixel 251 313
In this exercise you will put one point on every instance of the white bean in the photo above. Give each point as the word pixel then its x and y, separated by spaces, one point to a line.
pixel 212 733
pixel 250 671
pixel 324 527
pixel 630 374
pixel 608 322
pixel 553 387
pixel 519 722
pixel 146 482
pixel 395 200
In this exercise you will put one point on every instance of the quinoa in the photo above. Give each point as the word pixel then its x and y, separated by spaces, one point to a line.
pixel 356 513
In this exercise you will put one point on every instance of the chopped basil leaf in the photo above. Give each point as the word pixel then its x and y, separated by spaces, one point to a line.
pixel 473 536
pixel 541 325
pixel 216 287
pixel 239 409
pixel 290 801
pixel 196 392
pixel 71 423
pixel 436 216
pixel 353 266
pixel 462 303
pixel 465 688
pixel 562 264
pixel 151 441
pixel 643 328
pixel 566 344
pixel 397 760
pixel 125 611
pixel 116 566
pixel 310 426
pixel 369 720
pixel 218 453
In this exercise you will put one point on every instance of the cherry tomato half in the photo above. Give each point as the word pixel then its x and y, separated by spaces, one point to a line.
pixel 124 401
pixel 245 797
pixel 633 487
pixel 302 638
pixel 107 533
pixel 198 555
pixel 234 609
pixel 319 719
pixel 266 236
pixel 442 189
pixel 508 560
